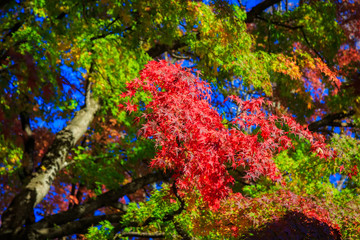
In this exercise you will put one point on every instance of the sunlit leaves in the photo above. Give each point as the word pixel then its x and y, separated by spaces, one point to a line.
pixel 10 157
pixel 193 142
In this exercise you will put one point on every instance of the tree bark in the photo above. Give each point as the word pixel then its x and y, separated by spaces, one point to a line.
pixel 29 145
pixel 54 160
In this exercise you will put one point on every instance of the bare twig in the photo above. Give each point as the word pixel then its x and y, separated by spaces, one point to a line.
pixel 142 235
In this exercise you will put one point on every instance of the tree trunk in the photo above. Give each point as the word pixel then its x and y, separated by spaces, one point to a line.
pixel 54 160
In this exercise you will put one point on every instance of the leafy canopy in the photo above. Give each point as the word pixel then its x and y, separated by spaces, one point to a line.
pixel 212 121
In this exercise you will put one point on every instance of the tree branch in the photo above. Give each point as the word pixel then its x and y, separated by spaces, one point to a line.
pixel 75 227
pixel 142 235
pixel 258 9
pixel 104 35
pixel 159 48
pixel 341 182
pixel 310 46
pixel 181 232
pixel 105 199
pixel 179 57
pixel 330 120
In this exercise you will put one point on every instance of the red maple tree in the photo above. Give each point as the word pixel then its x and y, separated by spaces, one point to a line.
pixel 193 142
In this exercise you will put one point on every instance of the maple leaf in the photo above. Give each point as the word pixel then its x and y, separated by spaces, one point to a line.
pixel 130 107
pixel 73 199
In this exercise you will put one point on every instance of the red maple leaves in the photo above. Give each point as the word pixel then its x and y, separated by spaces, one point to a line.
pixel 193 142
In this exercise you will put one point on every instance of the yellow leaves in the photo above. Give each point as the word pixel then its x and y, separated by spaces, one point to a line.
pixel 310 63
pixel 41 12
pixel 287 66
pixel 14 159
pixel 74 55
pixel 307 17
pixel 68 52
pixel 85 75
pixel 180 32
pixel 64 8
pixel 146 46
pixel 357 106
pixel 309 105
pixel 190 6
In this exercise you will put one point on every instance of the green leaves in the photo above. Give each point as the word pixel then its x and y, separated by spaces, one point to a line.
pixel 10 157
pixel 162 203
pixel 103 232
pixel 104 169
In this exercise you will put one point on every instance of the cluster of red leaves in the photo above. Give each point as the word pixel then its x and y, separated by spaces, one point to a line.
pixel 194 143
pixel 273 137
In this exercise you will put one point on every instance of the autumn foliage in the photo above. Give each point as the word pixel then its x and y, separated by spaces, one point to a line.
pixel 192 140
pixel 179 119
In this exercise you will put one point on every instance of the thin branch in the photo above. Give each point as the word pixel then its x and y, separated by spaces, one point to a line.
pixel 311 47
pixel 72 193
pixel 112 22
pixel 146 193
pixel 178 57
pixel 120 206
pixel 141 235
pixel 341 182
pixel 178 228
pixel 341 124
pixel 88 86
pixel 181 232
pixel 29 143
pixel 104 35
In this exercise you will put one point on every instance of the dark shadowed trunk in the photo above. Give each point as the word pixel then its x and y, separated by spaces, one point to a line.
pixel 54 160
